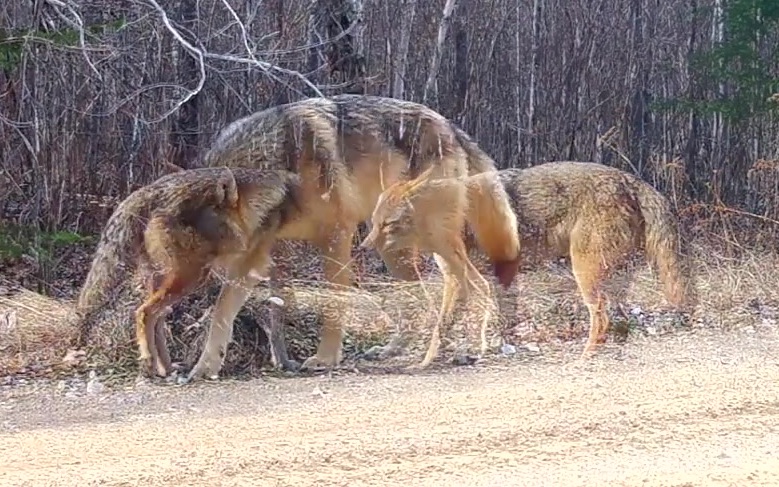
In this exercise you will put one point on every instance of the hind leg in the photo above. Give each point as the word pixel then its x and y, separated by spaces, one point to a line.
pixel 337 250
pixel 274 326
pixel 149 319
pixel 164 364
pixel 588 272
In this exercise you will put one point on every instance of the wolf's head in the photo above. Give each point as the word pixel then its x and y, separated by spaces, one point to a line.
pixel 393 218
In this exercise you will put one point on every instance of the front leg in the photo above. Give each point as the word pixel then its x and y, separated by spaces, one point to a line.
pixel 242 276
pixel 450 293
pixel 402 264
pixel 338 270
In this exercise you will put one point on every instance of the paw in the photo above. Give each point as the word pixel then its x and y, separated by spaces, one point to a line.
pixel 587 354
pixel 316 363
pixel 201 371
pixel 162 371
pixel 290 366
pixel 145 367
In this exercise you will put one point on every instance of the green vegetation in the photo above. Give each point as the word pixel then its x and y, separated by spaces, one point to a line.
pixel 17 241
pixel 12 42
pixel 744 64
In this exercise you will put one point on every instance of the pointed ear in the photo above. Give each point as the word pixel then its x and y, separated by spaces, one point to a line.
pixel 420 180
pixel 229 187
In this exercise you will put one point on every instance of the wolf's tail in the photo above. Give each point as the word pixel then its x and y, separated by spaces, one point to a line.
pixel 478 160
pixel 114 259
pixel 665 248
pixel 494 224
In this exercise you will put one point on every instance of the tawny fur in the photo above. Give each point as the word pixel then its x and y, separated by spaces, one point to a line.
pixel 346 149
pixel 594 214
pixel 174 231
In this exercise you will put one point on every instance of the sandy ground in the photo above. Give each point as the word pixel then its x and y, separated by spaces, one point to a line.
pixel 689 409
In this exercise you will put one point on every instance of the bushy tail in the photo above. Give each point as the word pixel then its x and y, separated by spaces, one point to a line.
pixel 113 261
pixel 494 224
pixel 665 249
pixel 478 160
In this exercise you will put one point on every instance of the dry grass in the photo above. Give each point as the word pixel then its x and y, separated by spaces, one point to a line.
pixel 33 331
pixel 544 304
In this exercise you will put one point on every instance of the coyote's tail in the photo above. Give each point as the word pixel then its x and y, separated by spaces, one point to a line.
pixel 494 224
pixel 114 258
pixel 478 160
pixel 665 247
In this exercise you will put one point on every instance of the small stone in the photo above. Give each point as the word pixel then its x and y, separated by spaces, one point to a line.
pixel 508 349
pixel 94 386
pixel 464 359
pixel 636 311
pixel 532 347
pixel 318 392
pixel 651 330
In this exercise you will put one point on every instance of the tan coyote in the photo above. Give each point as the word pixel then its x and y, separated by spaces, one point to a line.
pixel 595 214
pixel 174 231
pixel 346 150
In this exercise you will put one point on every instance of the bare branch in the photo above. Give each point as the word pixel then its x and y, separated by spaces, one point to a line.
pixel 192 50
pixel 78 25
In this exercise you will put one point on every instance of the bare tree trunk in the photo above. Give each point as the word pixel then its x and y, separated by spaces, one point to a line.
pixel 336 36
pixel 435 62
pixel 531 109
pixel 636 109
pixel 518 85
pixel 408 11
pixel 186 125
pixel 461 71
pixel 693 138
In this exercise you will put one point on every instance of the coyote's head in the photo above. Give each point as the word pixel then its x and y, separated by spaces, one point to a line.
pixel 393 219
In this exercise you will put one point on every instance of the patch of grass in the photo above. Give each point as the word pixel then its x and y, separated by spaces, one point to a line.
pixel 36 256
pixel 17 241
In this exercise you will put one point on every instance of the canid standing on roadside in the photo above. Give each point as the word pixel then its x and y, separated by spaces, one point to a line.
pixel 597 215
pixel 174 231
pixel 346 149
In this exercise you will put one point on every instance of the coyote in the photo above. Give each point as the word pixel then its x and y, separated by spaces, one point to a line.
pixel 346 149
pixel 177 229
pixel 597 215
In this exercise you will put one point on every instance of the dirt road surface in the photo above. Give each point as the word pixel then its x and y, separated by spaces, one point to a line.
pixel 689 409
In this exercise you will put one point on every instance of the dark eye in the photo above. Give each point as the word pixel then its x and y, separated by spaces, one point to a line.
pixel 388 223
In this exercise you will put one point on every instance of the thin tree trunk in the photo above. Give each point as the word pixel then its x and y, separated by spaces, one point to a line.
pixel 408 12
pixel 185 125
pixel 531 108
pixel 435 62
pixel 460 70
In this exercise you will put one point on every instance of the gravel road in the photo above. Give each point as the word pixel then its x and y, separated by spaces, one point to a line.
pixel 689 409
